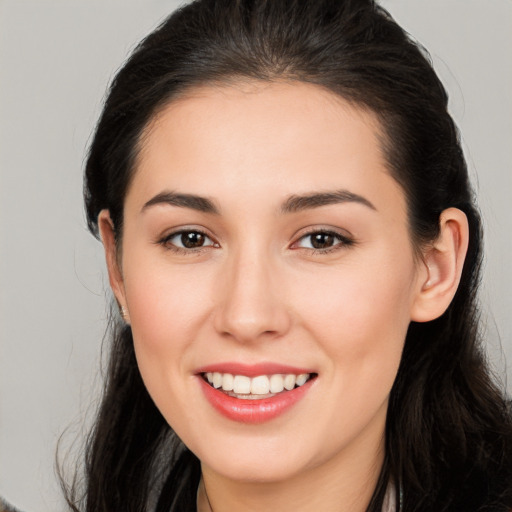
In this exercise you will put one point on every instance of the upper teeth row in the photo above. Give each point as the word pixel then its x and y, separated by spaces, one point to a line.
pixel 260 385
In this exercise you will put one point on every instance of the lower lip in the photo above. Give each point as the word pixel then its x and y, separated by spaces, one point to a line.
pixel 253 411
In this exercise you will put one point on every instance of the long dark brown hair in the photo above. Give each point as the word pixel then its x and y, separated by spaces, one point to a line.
pixel 449 428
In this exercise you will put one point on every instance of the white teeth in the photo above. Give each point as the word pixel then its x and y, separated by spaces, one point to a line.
pixel 260 385
pixel 301 379
pixel 289 382
pixel 276 383
pixel 217 380
pixel 241 384
pixel 227 382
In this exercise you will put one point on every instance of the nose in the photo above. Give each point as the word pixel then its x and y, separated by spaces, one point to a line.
pixel 251 305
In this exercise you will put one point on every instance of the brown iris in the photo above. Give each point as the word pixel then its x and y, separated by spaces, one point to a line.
pixel 192 239
pixel 322 240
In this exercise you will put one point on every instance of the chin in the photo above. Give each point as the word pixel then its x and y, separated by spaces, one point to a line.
pixel 258 459
pixel 261 471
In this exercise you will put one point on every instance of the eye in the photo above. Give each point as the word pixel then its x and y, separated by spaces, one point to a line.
pixel 323 241
pixel 188 239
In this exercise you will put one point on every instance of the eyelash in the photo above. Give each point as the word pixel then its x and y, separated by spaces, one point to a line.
pixel 167 244
pixel 342 241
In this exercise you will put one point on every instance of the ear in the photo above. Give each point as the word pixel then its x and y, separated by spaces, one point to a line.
pixel 115 276
pixel 442 265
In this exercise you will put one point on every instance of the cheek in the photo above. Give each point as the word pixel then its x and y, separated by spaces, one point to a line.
pixel 168 307
pixel 359 314
pixel 360 325
pixel 165 303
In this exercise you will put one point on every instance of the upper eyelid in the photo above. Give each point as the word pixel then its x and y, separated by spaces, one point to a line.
pixel 166 243
pixel 165 239
pixel 299 235
pixel 311 230
pixel 333 233
pixel 343 241
pixel 169 233
pixel 181 232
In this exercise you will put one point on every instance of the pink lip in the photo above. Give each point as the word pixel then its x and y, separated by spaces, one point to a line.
pixel 252 370
pixel 253 411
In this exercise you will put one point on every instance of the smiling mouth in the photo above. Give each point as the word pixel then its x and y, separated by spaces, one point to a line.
pixel 255 388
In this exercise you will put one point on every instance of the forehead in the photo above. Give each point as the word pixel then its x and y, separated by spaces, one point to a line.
pixel 260 107
pixel 287 137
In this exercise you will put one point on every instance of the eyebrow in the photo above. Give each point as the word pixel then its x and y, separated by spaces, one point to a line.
pixel 298 203
pixel 201 204
pixel 295 203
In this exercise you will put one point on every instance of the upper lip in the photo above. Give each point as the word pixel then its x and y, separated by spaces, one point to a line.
pixel 252 370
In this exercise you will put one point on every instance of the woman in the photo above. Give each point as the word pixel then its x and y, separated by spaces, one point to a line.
pixel 293 245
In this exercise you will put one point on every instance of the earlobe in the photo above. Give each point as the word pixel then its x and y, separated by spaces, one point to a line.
pixel 443 261
pixel 106 229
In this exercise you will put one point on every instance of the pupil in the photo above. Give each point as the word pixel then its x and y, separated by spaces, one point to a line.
pixel 192 239
pixel 322 240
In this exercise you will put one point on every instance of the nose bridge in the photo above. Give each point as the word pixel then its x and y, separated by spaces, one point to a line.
pixel 251 305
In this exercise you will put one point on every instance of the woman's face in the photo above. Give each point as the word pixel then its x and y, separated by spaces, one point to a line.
pixel 265 237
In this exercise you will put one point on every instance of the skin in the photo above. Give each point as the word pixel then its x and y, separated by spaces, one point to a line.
pixel 258 292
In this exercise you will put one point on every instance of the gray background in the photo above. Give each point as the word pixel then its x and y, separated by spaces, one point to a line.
pixel 56 59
